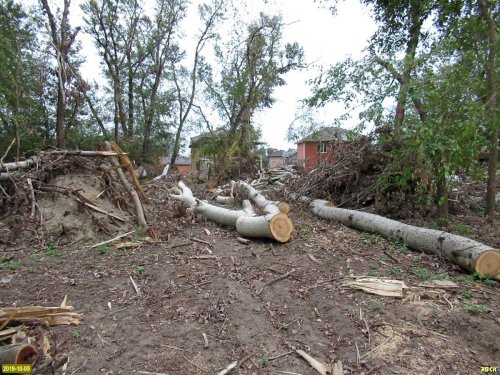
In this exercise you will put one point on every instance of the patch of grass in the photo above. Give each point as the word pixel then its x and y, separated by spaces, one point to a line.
pixel 76 334
pixel 373 306
pixel 52 250
pixel 395 272
pixel 140 270
pixel 460 228
pixel 422 273
pixel 13 265
pixel 264 361
pixel 467 294
pixel 475 278
pixel 103 250
pixel 398 244
pixel 284 326
pixel 374 273
pixel 477 308
pixel 304 232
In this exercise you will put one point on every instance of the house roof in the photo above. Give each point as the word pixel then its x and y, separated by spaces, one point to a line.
pixel 289 152
pixel 277 154
pixel 326 134
pixel 180 160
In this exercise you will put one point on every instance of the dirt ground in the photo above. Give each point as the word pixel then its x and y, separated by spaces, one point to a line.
pixel 197 281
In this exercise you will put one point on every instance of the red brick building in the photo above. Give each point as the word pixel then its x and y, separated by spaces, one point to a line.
pixel 313 150
pixel 182 163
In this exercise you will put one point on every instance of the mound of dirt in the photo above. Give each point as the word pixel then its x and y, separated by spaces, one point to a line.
pixel 65 199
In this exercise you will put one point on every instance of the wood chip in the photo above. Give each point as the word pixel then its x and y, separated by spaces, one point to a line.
pixel 244 241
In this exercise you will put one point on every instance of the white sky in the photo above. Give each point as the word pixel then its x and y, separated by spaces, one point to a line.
pixel 326 39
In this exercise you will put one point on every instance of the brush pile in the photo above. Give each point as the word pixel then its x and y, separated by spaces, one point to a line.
pixel 349 178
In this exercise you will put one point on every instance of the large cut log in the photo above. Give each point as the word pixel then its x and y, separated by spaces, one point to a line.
pixel 274 224
pixel 17 354
pixel 469 254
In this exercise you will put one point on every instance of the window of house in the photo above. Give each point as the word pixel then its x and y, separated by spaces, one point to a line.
pixel 321 147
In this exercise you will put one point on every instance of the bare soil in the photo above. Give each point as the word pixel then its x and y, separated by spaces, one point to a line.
pixel 189 288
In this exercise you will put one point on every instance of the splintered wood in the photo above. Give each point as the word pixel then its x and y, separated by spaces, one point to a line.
pixel 51 316
pixel 381 287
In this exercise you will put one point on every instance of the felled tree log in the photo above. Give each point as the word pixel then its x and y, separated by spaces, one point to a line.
pixel 19 354
pixel 471 255
pixel 19 164
pixel 274 225
pixel 261 201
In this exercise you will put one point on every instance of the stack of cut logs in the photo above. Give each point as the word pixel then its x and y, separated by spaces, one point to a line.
pixel 278 176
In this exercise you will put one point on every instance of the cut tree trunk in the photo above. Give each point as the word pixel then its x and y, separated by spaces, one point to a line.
pixel 18 354
pixel 273 225
pixel 469 254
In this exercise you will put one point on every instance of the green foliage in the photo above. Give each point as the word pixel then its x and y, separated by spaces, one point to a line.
pixel 140 270
pixel 103 250
pixel 442 124
pixel 477 308
pixel 374 306
pixel 264 361
pixel 9 264
pixel 467 295
pixel 52 250
pixel 422 273
pixel 460 228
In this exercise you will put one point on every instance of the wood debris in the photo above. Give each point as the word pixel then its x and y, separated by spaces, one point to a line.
pixel 275 176
pixel 439 284
pixel 378 286
pixel 228 368
pixel 314 363
pixel 51 316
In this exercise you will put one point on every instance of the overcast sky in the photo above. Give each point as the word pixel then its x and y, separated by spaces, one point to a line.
pixel 326 39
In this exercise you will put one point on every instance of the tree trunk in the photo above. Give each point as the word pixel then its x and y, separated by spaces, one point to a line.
pixel 491 106
pixel 468 254
pixel 61 106
pixel 442 200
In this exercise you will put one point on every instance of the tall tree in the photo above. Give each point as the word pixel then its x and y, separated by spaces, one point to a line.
pixel 489 12
pixel 62 38
pixel 210 14
pixel 162 48
pixel 115 27
pixel 251 71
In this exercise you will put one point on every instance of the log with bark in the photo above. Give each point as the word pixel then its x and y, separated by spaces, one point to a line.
pixel 28 163
pixel 273 224
pixel 18 354
pixel 262 202
pixel 471 255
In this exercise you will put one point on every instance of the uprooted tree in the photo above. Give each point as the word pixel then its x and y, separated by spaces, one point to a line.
pixel 273 223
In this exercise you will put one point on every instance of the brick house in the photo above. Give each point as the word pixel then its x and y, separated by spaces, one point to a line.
pixel 182 163
pixel 313 150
